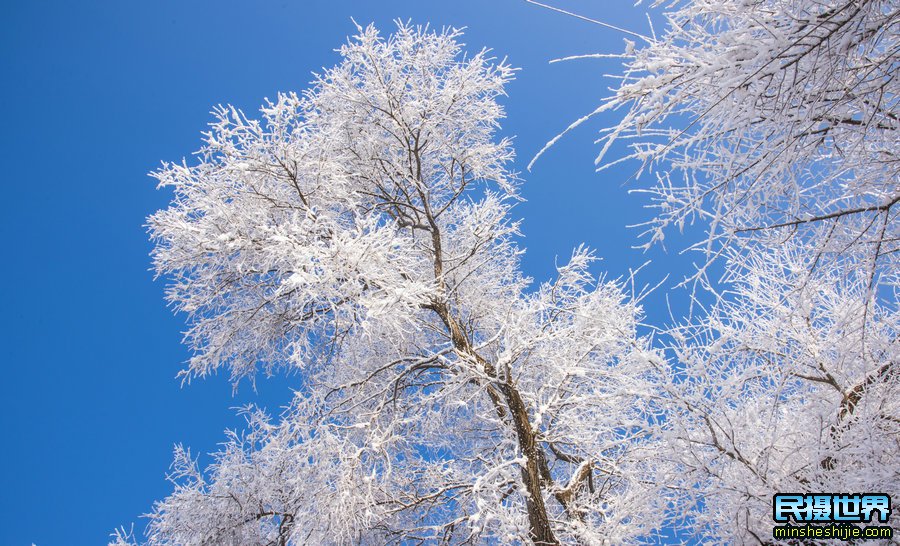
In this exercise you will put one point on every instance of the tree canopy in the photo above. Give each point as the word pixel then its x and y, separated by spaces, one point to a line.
pixel 360 235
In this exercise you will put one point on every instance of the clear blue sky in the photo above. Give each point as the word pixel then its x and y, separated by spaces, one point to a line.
pixel 95 95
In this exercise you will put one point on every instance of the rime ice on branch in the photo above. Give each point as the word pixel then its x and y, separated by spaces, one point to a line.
pixel 768 120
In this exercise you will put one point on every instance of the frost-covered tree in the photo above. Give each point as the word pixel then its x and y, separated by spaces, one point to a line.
pixel 775 124
pixel 783 390
pixel 769 120
pixel 359 236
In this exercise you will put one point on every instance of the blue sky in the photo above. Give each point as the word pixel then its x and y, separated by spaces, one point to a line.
pixel 97 94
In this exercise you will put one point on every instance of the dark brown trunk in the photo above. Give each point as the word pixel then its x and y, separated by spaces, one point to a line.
pixel 540 531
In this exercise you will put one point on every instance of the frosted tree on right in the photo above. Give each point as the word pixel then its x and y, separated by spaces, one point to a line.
pixel 789 383
pixel 774 123
pixel 771 120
